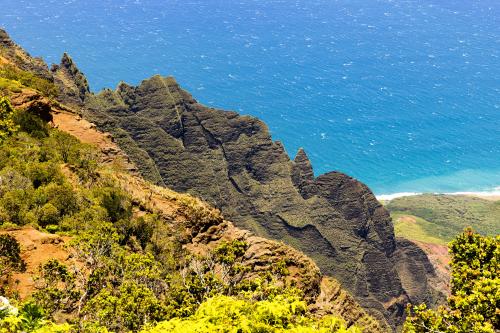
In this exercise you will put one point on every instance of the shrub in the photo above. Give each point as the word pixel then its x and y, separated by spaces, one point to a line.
pixel 56 288
pixel 7 124
pixel 30 318
pixel 51 228
pixel 228 314
pixel 31 123
pixel 30 80
pixel 7 86
pixel 128 308
pixel 115 201
pixel 474 304
pixel 10 258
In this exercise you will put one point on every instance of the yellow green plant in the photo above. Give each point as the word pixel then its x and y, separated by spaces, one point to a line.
pixel 229 314
pixel 474 304
pixel 7 124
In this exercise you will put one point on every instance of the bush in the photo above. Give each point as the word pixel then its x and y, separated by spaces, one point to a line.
pixel 30 318
pixel 7 86
pixel 7 124
pixel 28 79
pixel 31 123
pixel 115 201
pixel 56 289
pixel 10 258
pixel 474 304
pixel 128 308
pixel 51 228
pixel 228 314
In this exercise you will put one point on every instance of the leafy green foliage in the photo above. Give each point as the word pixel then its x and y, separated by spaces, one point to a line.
pixel 7 86
pixel 34 120
pixel 229 314
pixel 33 188
pixel 128 307
pixel 474 304
pixel 10 254
pixel 10 258
pixel 30 318
pixel 7 125
pixel 56 288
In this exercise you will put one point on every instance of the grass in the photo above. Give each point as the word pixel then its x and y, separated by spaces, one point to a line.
pixel 439 218
pixel 414 228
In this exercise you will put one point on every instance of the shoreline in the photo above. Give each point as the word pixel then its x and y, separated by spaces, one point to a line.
pixel 493 195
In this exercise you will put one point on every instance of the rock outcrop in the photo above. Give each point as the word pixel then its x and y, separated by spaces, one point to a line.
pixel 72 83
pixel 22 59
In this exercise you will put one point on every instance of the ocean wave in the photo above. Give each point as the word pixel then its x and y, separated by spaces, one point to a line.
pixel 392 196
pixel 495 192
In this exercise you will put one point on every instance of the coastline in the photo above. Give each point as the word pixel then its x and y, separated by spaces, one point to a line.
pixel 493 195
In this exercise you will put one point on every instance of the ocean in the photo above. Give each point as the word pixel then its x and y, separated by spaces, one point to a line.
pixel 401 94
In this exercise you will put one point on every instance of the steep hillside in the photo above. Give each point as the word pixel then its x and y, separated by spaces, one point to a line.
pixel 431 221
pixel 58 173
pixel 439 218
pixel 231 162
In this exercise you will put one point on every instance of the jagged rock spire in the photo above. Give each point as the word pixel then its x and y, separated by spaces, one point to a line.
pixel 303 175
pixel 72 83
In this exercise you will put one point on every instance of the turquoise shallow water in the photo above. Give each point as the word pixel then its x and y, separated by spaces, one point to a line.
pixel 404 95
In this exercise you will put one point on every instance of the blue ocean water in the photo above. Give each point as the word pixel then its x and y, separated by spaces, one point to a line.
pixel 401 94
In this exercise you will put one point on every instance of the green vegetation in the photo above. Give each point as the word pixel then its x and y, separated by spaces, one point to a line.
pixel 7 124
pixel 227 314
pixel 414 228
pixel 14 79
pixel 10 85
pixel 438 218
pixel 10 259
pixel 474 304
pixel 128 272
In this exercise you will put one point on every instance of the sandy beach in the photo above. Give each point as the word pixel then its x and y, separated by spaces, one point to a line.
pixel 486 195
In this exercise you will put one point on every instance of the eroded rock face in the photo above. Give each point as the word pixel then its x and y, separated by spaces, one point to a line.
pixel 71 82
pixel 232 162
pixel 414 267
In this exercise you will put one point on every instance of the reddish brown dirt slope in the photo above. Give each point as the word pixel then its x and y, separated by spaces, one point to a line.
pixel 36 248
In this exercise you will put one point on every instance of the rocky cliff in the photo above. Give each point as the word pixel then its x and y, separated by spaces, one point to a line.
pixel 184 220
pixel 232 162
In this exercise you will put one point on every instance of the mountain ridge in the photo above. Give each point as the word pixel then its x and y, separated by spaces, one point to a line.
pixel 199 228
pixel 232 162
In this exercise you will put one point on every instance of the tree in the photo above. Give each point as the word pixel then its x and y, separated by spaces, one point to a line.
pixel 10 257
pixel 7 124
pixel 56 288
pixel 474 304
